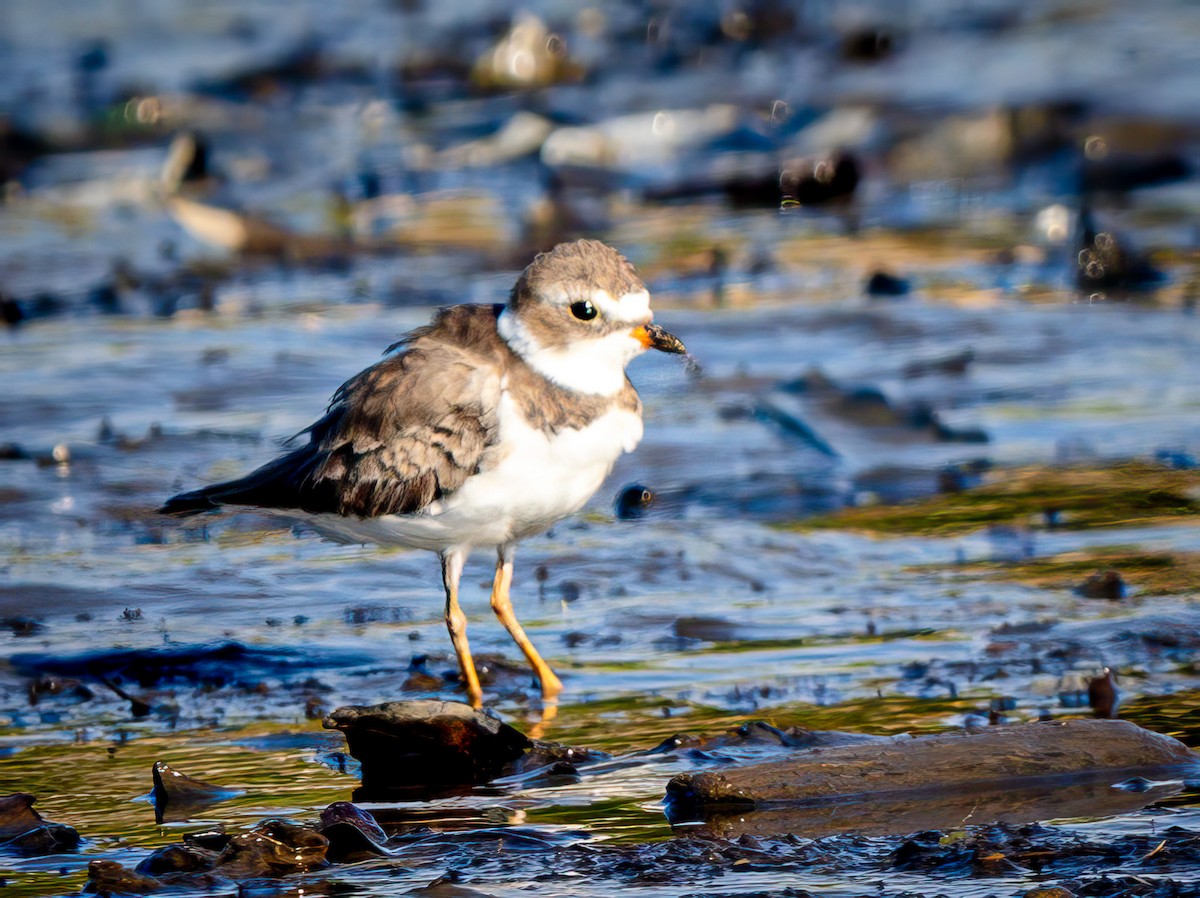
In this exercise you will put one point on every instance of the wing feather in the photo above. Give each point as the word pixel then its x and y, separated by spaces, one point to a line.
pixel 396 437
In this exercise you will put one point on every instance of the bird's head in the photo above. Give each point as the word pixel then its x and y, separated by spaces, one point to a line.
pixel 578 314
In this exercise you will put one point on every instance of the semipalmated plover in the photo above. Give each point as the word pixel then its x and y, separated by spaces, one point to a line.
pixel 486 426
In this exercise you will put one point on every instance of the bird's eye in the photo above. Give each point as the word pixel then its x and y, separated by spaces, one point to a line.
pixel 584 310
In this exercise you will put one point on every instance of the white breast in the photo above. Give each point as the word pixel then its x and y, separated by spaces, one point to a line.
pixel 541 478
pixel 536 480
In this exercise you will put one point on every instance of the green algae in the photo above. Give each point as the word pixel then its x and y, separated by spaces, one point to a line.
pixel 1146 573
pixel 1132 493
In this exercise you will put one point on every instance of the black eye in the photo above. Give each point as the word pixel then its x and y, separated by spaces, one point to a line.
pixel 584 310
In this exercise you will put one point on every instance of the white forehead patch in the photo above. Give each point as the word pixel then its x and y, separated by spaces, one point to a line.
pixel 631 307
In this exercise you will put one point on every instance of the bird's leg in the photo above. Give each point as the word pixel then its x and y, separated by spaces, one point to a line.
pixel 502 605
pixel 456 622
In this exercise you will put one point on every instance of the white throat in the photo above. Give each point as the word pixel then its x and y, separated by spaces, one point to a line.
pixel 586 366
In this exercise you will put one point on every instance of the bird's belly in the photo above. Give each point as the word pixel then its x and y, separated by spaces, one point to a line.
pixel 541 478
pixel 537 480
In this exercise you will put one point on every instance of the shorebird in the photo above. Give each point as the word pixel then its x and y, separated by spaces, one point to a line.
pixel 484 427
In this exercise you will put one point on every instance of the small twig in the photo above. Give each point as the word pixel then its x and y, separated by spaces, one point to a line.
pixel 1157 848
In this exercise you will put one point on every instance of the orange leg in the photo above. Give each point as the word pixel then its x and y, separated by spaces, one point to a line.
pixel 456 622
pixel 502 605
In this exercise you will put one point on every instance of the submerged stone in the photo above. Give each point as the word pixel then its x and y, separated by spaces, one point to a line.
pixel 22 829
pixel 273 848
pixel 1103 585
pixel 111 878
pixel 177 793
pixel 352 832
pixel 1004 774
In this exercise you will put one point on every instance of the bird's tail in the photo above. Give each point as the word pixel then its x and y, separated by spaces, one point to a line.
pixel 282 483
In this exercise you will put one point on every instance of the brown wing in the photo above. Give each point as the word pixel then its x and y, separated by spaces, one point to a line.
pixel 396 437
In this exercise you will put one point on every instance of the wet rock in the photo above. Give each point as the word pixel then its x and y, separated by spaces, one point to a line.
pixel 18 148
pixel 546 756
pixel 13 452
pixel 1107 172
pixel 273 848
pixel 286 68
pixel 11 312
pixel 250 235
pixel 20 625
pixel 111 878
pixel 210 666
pixel 910 783
pixel 705 629
pixel 866 45
pixel 519 137
pixel 955 364
pixel 177 794
pixel 447 888
pixel 424 745
pixel 1107 262
pixel 529 55
pixel 183 858
pixel 963 476
pixel 633 502
pixel 22 829
pixel 186 163
pixel 1103 585
pixel 634 142
pixel 67 688
pixel 975 144
pixel 886 284
pixel 352 833
pixel 208 840
pixel 817 181
pixel 1104 697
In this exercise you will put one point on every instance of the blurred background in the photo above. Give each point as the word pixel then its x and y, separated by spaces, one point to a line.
pixel 917 248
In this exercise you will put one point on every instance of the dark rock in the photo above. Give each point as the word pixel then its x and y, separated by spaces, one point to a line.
pixel 208 840
pixel 868 45
pixel 11 312
pixel 110 878
pixel 352 833
pixel 546 755
pixel 273 848
pixel 178 859
pixel 817 181
pixel 1107 262
pixel 1103 585
pixel 1104 696
pixel 58 687
pixel 633 502
pixel 13 452
pixel 22 829
pixel 705 629
pixel 180 793
pixel 443 888
pixel 22 626
pixel 214 666
pixel 1006 774
pixel 1120 172
pixel 955 364
pixel 883 283
pixel 424 744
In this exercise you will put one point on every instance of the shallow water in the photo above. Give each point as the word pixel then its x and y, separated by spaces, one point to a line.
pixel 240 631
